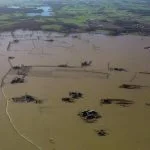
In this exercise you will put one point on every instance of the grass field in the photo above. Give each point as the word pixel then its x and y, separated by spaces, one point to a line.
pixel 117 16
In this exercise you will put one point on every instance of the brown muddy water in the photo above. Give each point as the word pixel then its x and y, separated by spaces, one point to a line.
pixel 55 125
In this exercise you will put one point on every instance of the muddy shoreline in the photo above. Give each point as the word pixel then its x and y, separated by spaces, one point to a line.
pixel 103 28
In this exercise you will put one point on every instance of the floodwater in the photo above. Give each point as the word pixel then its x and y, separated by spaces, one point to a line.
pixel 54 124
pixel 46 11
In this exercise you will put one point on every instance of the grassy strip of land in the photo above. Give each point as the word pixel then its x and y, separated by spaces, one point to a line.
pixel 116 17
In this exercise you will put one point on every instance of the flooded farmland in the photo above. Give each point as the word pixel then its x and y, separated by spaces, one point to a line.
pixel 54 68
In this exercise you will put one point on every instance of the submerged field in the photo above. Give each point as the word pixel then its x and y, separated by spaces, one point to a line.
pixel 54 124
pixel 106 16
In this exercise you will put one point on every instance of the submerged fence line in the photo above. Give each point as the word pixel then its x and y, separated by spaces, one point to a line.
pixel 146 73
pixel 134 76
pixel 8 46
pixel 52 66
pixel 68 68
pixel 71 69
pixel 3 78
pixel 87 71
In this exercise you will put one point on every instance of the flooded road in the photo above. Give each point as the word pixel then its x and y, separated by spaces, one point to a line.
pixel 54 124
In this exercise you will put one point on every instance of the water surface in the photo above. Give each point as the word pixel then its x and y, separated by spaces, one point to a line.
pixel 46 11
pixel 128 127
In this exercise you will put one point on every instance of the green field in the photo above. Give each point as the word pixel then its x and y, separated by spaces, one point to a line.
pixel 115 16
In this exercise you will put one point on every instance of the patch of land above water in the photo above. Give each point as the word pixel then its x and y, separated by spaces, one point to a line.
pixel 106 16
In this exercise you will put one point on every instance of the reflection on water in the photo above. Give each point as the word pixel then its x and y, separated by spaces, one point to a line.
pixel 46 11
